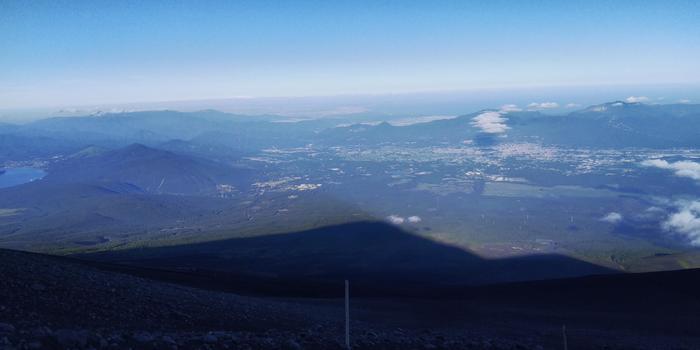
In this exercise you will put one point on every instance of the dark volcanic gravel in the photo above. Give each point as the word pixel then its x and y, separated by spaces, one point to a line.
pixel 54 303
pixel 49 302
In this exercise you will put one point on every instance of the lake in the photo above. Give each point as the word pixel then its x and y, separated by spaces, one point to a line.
pixel 18 176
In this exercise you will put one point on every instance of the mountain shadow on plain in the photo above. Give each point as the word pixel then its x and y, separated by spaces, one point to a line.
pixel 377 257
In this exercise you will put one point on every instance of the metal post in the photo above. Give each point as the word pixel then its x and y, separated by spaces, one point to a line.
pixel 563 332
pixel 347 314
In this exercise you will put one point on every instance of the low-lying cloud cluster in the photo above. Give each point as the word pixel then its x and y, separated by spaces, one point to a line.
pixel 684 168
pixel 491 122
pixel 686 221
pixel 395 219
pixel 398 220
pixel 612 217
pixel 414 219
pixel 536 106
pixel 636 99
pixel 510 108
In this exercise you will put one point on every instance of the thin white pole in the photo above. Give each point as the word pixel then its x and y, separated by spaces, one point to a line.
pixel 347 314
pixel 563 331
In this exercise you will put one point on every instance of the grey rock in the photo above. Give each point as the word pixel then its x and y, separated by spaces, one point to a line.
pixel 38 287
pixel 168 340
pixel 266 342
pixel 210 338
pixel 6 328
pixel 71 338
pixel 143 337
pixel 292 344
pixel 41 332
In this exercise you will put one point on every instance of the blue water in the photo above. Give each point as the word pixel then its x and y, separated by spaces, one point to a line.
pixel 18 176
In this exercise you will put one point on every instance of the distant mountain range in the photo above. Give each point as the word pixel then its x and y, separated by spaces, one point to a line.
pixel 614 124
pixel 203 129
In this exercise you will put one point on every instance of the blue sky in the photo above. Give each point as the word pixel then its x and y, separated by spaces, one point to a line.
pixel 59 53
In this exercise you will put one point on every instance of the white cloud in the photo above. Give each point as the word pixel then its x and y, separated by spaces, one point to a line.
pixel 542 105
pixel 395 219
pixel 510 108
pixel 684 168
pixel 572 105
pixel 306 187
pixel 636 99
pixel 612 217
pixel 685 101
pixel 686 221
pixel 398 220
pixel 491 122
pixel 414 219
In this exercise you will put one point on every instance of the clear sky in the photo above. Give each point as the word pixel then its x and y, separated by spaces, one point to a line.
pixel 57 53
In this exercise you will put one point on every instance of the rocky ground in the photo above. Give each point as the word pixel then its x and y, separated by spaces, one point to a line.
pixel 56 303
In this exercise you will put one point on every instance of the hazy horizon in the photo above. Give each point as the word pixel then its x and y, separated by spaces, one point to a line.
pixel 86 54
pixel 555 100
